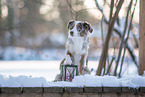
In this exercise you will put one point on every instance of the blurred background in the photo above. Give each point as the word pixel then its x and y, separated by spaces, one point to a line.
pixel 37 29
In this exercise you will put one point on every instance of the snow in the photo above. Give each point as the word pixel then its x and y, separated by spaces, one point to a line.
pixel 110 81
pixel 87 80
pixel 47 69
pixel 21 81
pixel 132 81
pixel 42 74
pixel 78 81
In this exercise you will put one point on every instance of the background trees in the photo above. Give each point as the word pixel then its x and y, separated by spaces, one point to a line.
pixel 41 24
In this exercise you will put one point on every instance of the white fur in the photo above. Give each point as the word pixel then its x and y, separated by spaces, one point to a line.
pixel 77 46
pixel 68 60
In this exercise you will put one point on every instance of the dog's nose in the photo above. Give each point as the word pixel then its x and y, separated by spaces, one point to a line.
pixel 71 33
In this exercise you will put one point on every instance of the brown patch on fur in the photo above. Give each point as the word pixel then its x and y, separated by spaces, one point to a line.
pixel 71 56
pixel 83 28
pixel 82 63
pixel 62 62
pixel 71 25
pixel 87 61
pixel 82 34
pixel 79 27
pixel 88 27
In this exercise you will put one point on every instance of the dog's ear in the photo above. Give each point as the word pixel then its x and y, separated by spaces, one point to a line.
pixel 88 27
pixel 91 30
pixel 70 24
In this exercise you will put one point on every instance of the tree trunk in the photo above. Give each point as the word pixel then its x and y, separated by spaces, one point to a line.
pixel 142 38
pixel 106 45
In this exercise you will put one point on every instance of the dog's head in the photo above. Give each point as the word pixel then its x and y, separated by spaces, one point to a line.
pixel 79 28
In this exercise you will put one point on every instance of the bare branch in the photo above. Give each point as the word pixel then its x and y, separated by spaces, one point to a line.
pixel 118 32
pixel 124 32
pixel 109 67
pixel 110 30
pixel 125 42
pixel 111 9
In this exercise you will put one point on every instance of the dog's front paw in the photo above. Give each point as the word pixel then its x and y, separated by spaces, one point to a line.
pixel 68 60
pixel 86 71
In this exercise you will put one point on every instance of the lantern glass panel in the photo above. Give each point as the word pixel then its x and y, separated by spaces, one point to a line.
pixel 69 72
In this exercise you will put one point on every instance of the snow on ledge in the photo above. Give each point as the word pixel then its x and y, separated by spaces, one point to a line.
pixel 78 81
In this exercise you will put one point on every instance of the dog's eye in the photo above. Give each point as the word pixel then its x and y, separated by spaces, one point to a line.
pixel 71 27
pixel 86 27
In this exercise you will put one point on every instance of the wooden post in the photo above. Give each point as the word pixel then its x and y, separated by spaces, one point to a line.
pixel 142 37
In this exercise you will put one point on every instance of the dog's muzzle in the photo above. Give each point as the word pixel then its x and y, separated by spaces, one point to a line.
pixel 72 33
pixel 82 33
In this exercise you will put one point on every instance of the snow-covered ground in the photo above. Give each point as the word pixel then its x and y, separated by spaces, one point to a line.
pixel 42 74
pixel 78 81
pixel 25 73
pixel 47 69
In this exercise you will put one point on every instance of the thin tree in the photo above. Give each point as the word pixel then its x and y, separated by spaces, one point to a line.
pixel 122 41
pixel 106 44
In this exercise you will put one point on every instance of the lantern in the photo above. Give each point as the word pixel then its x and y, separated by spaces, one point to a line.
pixel 68 72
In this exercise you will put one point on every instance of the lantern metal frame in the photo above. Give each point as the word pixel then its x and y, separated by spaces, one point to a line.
pixel 65 68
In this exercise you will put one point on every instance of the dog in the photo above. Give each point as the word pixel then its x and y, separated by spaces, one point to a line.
pixel 77 46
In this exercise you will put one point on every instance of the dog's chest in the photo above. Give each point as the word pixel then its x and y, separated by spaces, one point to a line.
pixel 77 45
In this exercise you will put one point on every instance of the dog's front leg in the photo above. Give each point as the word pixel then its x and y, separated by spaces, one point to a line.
pixel 71 56
pixel 68 60
pixel 82 63
pixel 64 60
